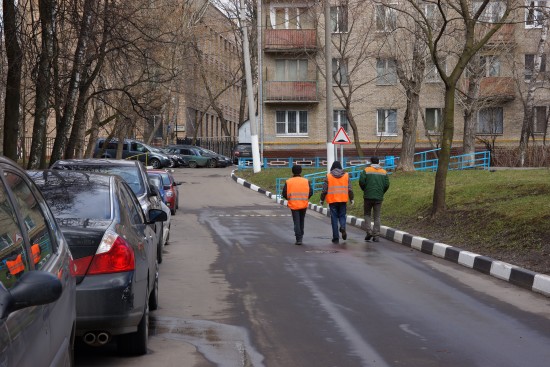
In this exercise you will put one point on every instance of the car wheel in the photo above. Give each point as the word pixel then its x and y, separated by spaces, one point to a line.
pixel 135 344
pixel 154 295
pixel 173 211
pixel 192 164
pixel 155 163
pixel 211 163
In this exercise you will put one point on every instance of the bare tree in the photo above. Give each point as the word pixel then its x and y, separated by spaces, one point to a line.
pixel 14 56
pixel 459 33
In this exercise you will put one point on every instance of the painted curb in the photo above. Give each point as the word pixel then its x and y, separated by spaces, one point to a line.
pixel 524 278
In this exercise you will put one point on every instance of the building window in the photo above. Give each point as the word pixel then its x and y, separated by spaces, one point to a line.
pixel 540 120
pixel 386 124
pixel 340 118
pixel 493 12
pixel 431 73
pixel 434 121
pixel 290 18
pixel 386 18
pixel 490 121
pixel 291 122
pixel 339 19
pixel 339 71
pixel 530 65
pixel 386 73
pixel 534 13
pixel 290 70
pixel 490 65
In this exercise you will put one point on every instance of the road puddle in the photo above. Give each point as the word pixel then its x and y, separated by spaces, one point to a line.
pixel 222 344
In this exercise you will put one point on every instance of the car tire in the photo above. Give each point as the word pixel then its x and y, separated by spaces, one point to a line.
pixel 192 164
pixel 211 163
pixel 154 295
pixel 155 163
pixel 135 344
pixel 173 211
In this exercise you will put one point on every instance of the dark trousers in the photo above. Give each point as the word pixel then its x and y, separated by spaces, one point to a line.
pixel 373 207
pixel 337 216
pixel 298 217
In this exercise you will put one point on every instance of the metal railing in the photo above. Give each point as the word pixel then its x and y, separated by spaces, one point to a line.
pixel 423 162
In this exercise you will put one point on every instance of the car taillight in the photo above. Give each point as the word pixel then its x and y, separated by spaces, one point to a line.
pixel 114 255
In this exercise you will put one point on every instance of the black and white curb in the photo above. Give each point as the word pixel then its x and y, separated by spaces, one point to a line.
pixel 536 282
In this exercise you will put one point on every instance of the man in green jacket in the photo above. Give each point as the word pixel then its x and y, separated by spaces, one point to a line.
pixel 374 182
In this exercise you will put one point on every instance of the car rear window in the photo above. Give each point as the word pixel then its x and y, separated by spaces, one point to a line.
pixel 130 174
pixel 78 201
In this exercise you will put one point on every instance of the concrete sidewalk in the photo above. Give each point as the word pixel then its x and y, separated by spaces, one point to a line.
pixel 524 278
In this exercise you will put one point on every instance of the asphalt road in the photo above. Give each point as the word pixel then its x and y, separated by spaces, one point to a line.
pixel 235 291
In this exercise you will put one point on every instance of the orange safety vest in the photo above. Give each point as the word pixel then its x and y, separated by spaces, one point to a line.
pixel 35 252
pixel 15 266
pixel 337 189
pixel 297 192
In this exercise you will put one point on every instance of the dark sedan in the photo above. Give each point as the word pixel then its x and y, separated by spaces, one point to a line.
pixel 114 253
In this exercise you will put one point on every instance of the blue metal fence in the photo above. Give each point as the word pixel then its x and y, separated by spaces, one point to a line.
pixel 423 161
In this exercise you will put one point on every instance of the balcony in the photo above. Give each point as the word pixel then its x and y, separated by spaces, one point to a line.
pixel 290 92
pixel 503 37
pixel 498 88
pixel 285 40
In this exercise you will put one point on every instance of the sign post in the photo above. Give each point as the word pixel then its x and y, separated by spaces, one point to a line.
pixel 341 138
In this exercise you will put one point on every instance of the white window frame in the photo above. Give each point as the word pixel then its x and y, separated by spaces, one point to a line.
pixel 387 113
pixel 386 17
pixel 431 74
pixel 287 10
pixel 438 121
pixel 300 131
pixel 386 73
pixel 340 71
pixel 532 11
pixel 484 112
pixel 493 12
pixel 301 70
pixel 339 19
pixel 340 119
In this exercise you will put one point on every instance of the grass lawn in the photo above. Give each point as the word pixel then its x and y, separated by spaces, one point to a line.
pixel 503 214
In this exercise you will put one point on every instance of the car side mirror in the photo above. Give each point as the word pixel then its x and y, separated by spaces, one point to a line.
pixel 32 289
pixel 157 215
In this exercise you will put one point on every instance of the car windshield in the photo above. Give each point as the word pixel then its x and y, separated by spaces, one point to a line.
pixel 130 174
pixel 77 199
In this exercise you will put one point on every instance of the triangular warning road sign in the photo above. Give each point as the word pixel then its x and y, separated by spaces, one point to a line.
pixel 341 137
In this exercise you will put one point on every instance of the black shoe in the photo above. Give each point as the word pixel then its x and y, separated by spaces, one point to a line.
pixel 375 239
pixel 335 241
pixel 368 237
pixel 344 233
pixel 298 242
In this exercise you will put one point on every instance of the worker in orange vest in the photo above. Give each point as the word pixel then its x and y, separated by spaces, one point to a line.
pixel 297 191
pixel 16 266
pixel 337 192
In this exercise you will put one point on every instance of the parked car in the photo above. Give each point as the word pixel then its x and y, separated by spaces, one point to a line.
pixel 169 187
pixel 37 287
pixel 133 149
pixel 242 150
pixel 193 157
pixel 135 175
pixel 222 160
pixel 114 251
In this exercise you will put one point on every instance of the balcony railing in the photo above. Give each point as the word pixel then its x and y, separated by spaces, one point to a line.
pixel 498 88
pixel 295 91
pixel 290 39
pixel 504 36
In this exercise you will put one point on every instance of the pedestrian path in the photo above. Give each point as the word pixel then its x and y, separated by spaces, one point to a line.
pixel 524 278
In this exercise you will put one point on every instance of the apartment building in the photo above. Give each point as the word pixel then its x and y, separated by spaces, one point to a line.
pixel 365 57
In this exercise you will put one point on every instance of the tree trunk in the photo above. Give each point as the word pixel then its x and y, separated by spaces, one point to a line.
pixel 94 132
pixel 43 81
pixel 410 121
pixel 68 111
pixel 13 80
pixel 76 141
pixel 528 104
pixel 440 187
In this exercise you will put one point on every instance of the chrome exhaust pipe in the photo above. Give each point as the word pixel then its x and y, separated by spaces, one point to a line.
pixel 103 338
pixel 89 338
